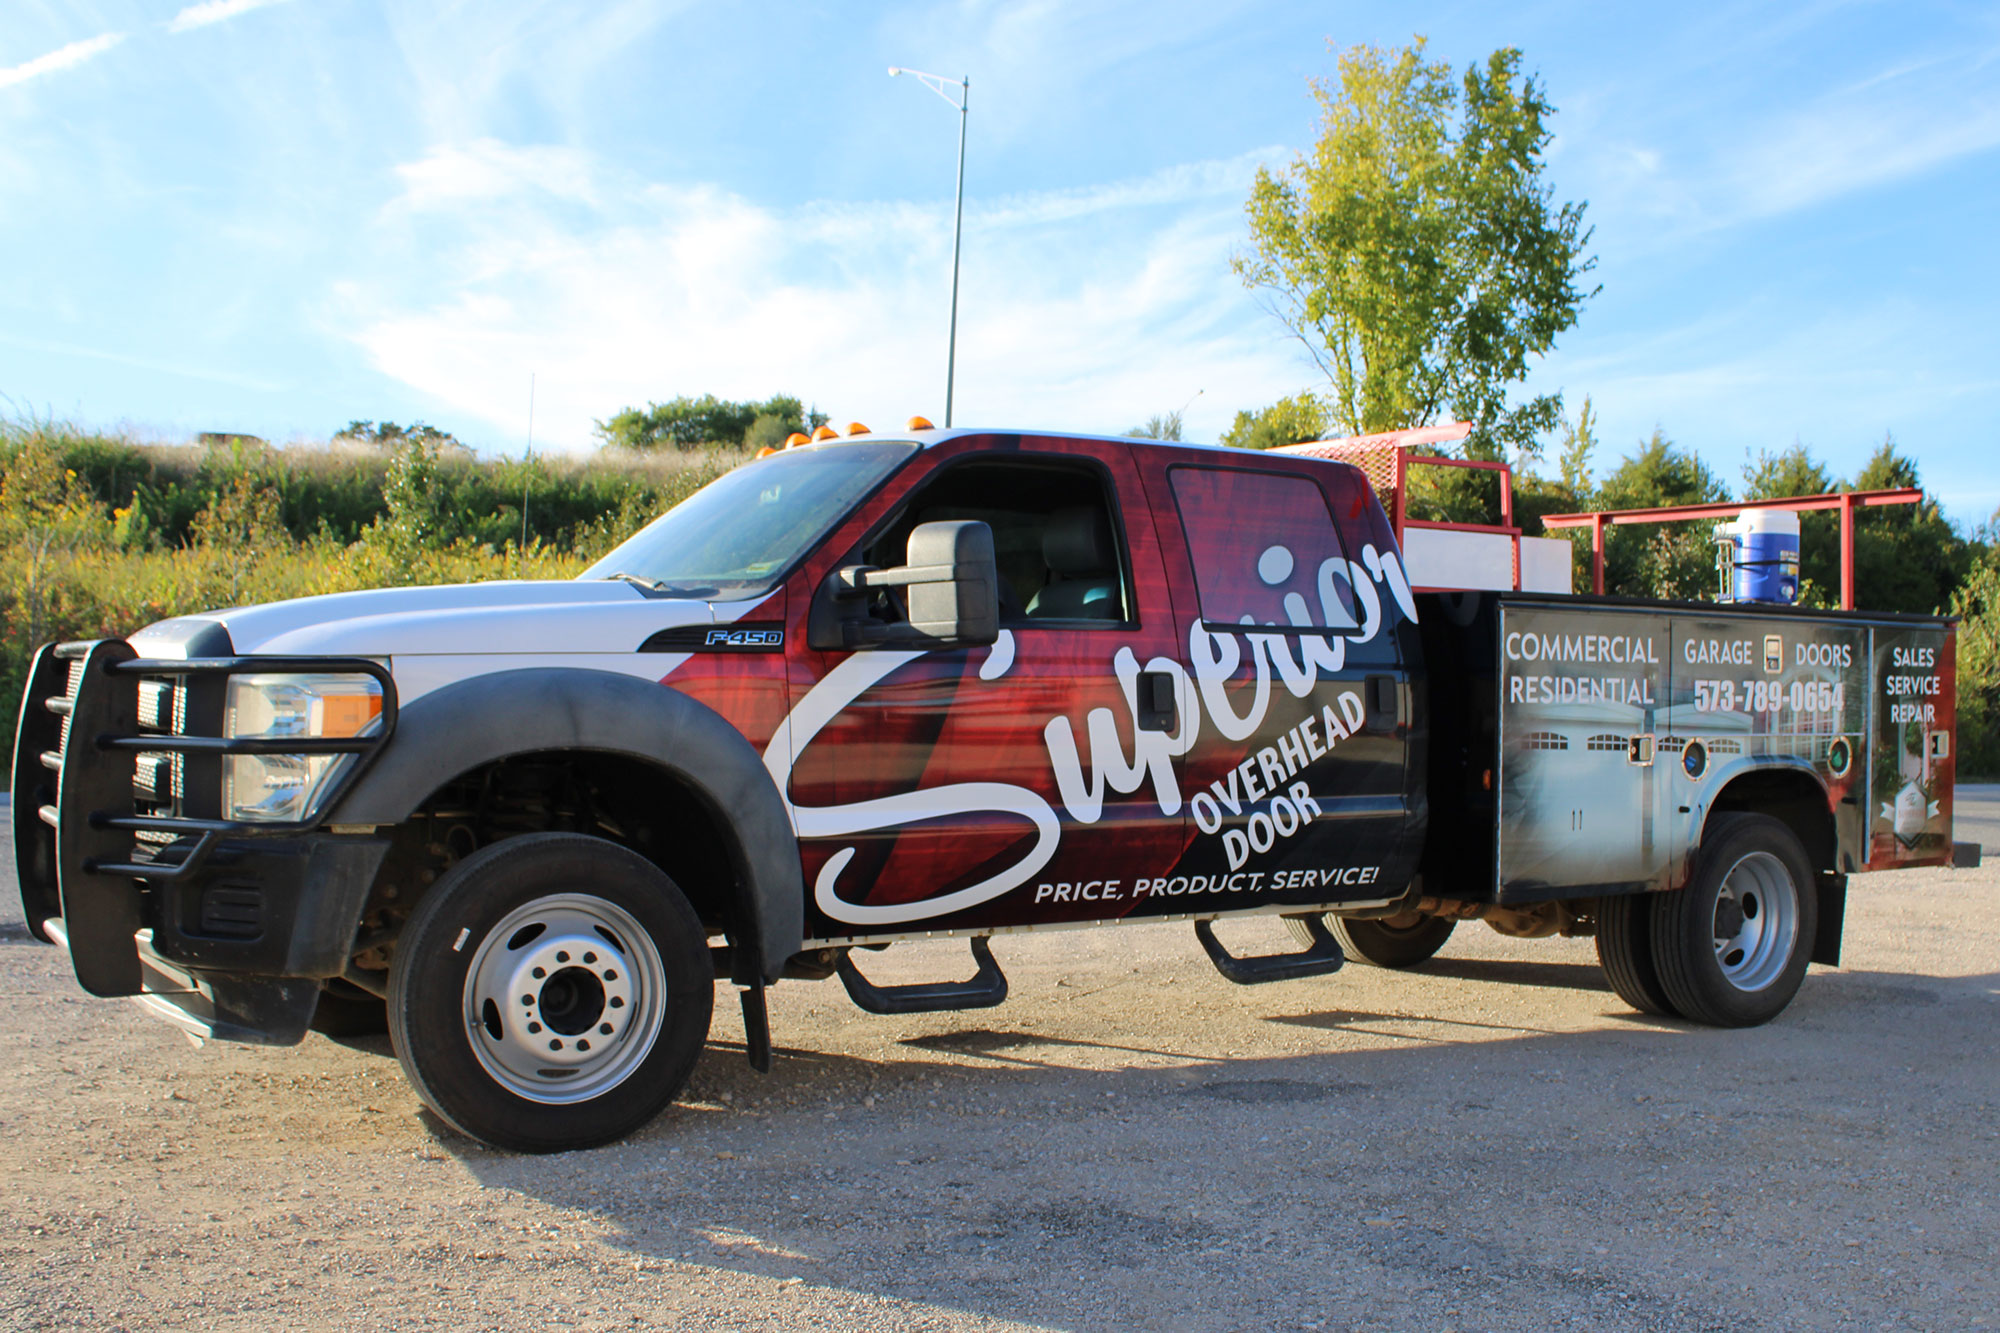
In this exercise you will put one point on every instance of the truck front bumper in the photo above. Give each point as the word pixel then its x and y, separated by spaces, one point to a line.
pixel 224 928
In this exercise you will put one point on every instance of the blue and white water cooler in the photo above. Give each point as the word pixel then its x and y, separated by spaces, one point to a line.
pixel 1762 548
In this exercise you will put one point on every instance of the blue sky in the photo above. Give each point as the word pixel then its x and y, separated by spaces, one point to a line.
pixel 276 215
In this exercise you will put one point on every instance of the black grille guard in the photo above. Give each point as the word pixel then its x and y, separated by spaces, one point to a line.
pixel 74 812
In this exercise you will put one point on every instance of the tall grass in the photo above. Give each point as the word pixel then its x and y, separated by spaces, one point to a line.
pixel 101 534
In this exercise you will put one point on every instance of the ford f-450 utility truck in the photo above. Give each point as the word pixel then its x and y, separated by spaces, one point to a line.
pixel 957 683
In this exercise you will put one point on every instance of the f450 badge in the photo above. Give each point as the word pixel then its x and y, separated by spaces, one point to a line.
pixel 755 637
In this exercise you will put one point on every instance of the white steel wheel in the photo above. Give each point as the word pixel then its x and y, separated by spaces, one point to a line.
pixel 1756 921
pixel 550 992
pixel 1731 948
pixel 565 998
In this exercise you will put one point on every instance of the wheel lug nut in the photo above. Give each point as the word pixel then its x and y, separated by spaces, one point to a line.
pixel 610 974
pixel 590 958
pixel 534 1027
pixel 617 1002
pixel 583 1045
pixel 555 1045
pixel 603 1029
pixel 527 999
pixel 562 956
pixel 539 974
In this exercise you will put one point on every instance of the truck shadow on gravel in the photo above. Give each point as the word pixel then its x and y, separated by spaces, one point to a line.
pixel 1490 1177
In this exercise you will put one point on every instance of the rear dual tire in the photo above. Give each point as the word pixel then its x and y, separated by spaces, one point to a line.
pixel 1731 948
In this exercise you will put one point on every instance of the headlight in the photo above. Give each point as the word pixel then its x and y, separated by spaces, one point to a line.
pixel 285 788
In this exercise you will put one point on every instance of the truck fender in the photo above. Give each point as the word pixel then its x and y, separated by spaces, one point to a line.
pixel 477 721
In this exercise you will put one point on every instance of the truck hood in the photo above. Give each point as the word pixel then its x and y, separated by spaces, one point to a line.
pixel 539 617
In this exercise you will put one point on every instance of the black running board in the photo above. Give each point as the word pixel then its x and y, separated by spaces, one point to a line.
pixel 987 988
pixel 1320 958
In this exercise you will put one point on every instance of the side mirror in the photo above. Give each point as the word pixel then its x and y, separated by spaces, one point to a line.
pixel 954 584
pixel 951 589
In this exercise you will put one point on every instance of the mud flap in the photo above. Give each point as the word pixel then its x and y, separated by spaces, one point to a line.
pixel 1832 915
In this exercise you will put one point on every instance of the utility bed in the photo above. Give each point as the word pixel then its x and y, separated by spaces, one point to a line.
pixel 1578 744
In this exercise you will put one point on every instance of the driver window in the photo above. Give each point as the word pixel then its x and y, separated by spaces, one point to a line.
pixel 1055 538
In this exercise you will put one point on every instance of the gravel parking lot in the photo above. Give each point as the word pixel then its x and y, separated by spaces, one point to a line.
pixel 1493 1142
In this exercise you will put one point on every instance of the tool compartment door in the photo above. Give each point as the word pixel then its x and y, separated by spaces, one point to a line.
pixel 1583 783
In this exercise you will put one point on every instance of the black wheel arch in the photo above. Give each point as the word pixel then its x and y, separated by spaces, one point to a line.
pixel 504 715
pixel 1792 795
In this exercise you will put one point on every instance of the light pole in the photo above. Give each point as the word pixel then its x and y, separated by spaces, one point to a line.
pixel 939 84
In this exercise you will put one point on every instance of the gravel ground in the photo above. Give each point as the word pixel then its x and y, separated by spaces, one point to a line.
pixel 1493 1142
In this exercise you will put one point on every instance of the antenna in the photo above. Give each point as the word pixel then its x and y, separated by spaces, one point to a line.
pixel 526 459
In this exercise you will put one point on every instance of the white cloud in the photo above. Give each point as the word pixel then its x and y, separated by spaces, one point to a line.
pixel 1892 126
pixel 612 291
pixel 213 11
pixel 488 170
pixel 67 57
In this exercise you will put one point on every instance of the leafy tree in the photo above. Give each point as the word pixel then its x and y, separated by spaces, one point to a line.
pixel 1579 442
pixel 1906 557
pixel 1160 426
pixel 689 423
pixel 1293 420
pixel 388 435
pixel 1977 602
pixel 242 527
pixel 1416 252
pixel 1667 560
pixel 417 513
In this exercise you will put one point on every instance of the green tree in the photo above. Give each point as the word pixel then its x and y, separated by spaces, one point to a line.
pixel 241 528
pixel 1417 253
pixel 689 423
pixel 1906 557
pixel 1293 420
pixel 388 435
pixel 417 510
pixel 1977 603
pixel 1160 426
pixel 1664 560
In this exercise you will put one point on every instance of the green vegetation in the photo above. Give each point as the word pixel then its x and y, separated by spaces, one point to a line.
pixel 707 421
pixel 100 536
pixel 1416 251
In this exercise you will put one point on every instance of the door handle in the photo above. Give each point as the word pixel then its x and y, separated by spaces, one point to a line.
pixel 1380 692
pixel 1159 710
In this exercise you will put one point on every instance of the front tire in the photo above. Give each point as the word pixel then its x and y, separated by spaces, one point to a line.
pixel 1393 941
pixel 551 992
pixel 1732 946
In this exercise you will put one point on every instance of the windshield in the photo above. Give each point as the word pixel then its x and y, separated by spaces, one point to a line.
pixel 739 534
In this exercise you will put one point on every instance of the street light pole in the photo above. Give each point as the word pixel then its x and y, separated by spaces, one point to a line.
pixel 938 84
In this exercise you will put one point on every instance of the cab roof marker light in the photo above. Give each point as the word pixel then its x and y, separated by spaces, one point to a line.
pixel 920 423
pixel 856 428
pixel 797 438
pixel 826 433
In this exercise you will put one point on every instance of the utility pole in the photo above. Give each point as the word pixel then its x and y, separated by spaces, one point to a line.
pixel 939 84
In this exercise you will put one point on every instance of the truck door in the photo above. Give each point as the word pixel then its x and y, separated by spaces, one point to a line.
pixel 1011 784
pixel 1301 783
